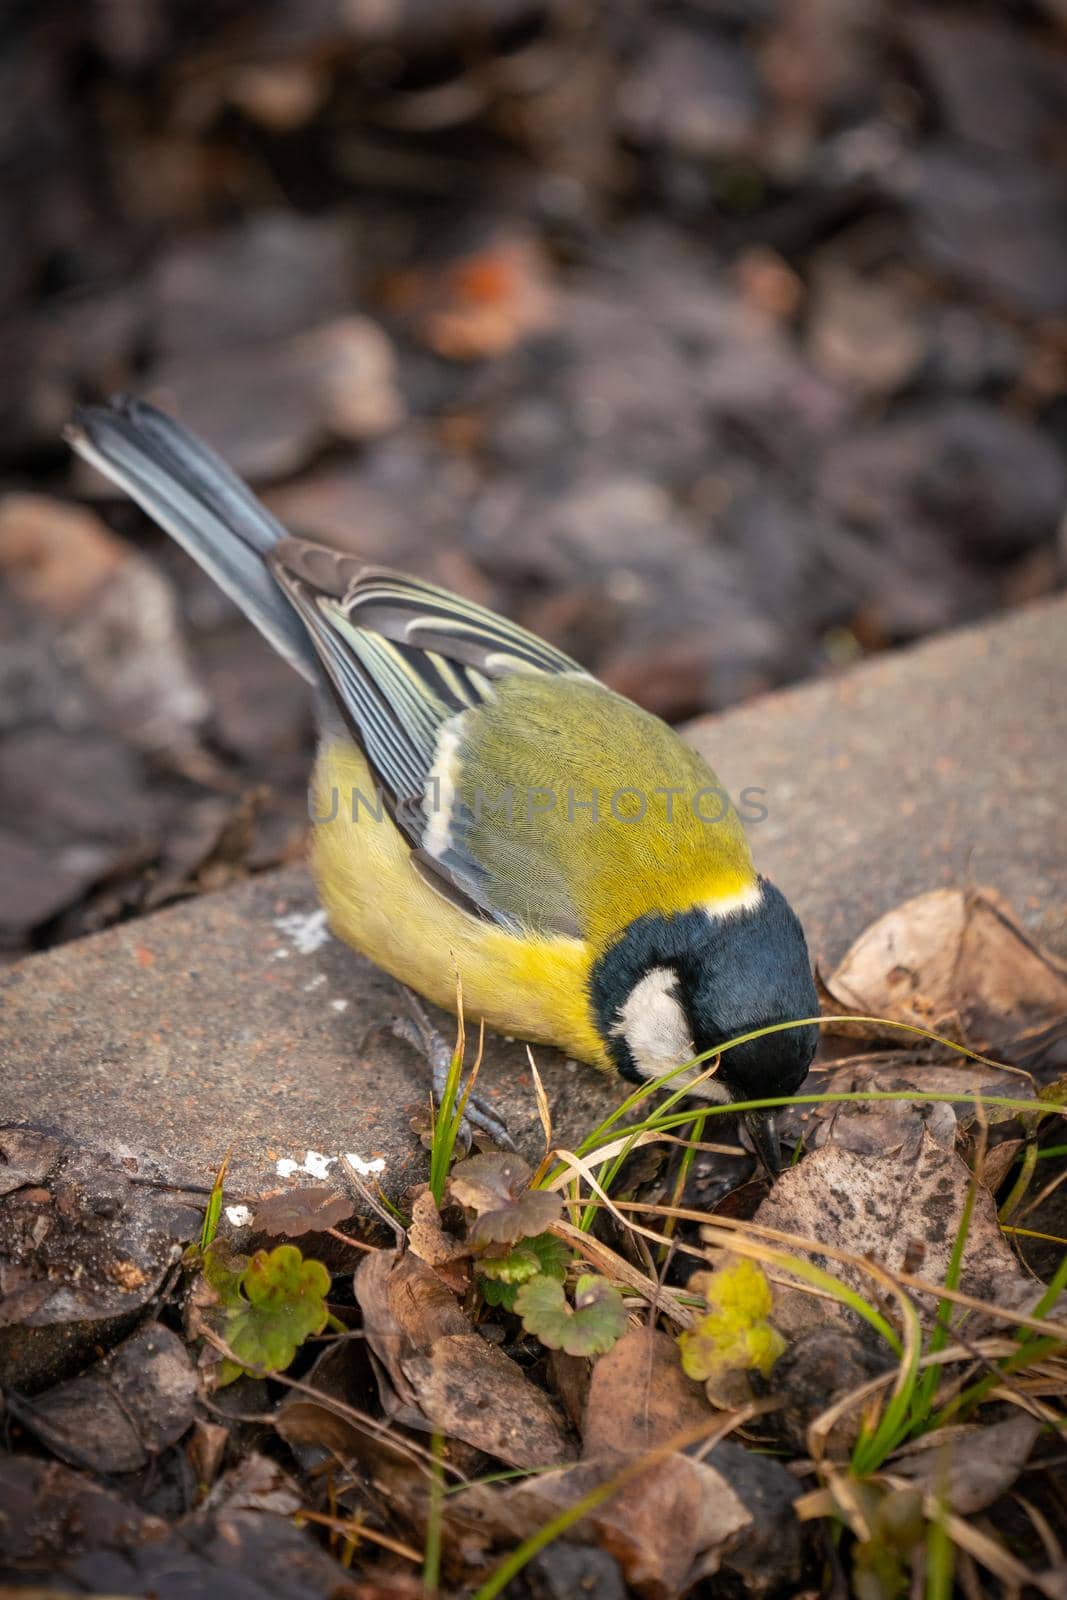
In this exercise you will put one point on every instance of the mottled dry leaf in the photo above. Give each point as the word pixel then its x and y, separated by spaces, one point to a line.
pixel 883 1207
pixel 878 1128
pixel 470 1390
pixel 639 1396
pixel 255 1483
pixel 427 1237
pixel 667 1527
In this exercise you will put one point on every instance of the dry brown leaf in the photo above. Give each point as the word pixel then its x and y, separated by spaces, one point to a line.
pixel 889 1207
pixel 880 1127
pixel 470 1390
pixel 639 1396
pixel 444 1375
pixel 958 962
pixel 666 1528
pixel 428 1240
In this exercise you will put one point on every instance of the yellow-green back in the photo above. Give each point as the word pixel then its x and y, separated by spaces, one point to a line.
pixel 585 811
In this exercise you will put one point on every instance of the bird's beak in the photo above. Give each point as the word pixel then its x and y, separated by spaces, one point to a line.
pixel 764 1135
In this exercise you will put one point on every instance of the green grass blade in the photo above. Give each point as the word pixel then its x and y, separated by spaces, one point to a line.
pixel 943 1317
pixel 213 1214
pixel 872 1449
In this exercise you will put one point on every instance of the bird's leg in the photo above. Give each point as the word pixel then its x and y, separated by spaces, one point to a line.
pixel 419 1031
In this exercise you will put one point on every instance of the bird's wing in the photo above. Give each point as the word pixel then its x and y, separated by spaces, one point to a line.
pixel 405 661
pixel 529 792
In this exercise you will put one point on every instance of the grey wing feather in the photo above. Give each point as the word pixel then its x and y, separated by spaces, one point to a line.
pixel 193 494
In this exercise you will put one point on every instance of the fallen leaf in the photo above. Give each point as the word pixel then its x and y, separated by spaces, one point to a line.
pixel 469 1389
pixel 443 1375
pixel 990 1134
pixel 639 1397
pixel 667 1527
pixel 429 1240
pixel 206 1448
pixel 877 1207
pixel 255 1483
pixel 958 962
pixel 496 1187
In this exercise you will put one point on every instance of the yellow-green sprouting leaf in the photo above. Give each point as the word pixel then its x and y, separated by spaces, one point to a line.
pixel 596 1322
pixel 735 1336
pixel 269 1308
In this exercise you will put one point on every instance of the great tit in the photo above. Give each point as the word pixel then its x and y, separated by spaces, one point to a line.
pixel 481 803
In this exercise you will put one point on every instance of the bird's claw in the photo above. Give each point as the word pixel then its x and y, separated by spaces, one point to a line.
pixel 418 1031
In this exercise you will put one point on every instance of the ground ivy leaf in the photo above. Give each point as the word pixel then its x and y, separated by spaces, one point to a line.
pixel 501 1276
pixel 543 1253
pixel 496 1187
pixel 518 1265
pixel 597 1320
pixel 282 1301
pixel 292 1212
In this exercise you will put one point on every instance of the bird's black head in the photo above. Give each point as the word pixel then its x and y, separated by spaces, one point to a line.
pixel 753 970
pixel 677 986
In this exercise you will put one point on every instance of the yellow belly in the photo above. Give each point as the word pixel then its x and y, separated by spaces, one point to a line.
pixel 532 988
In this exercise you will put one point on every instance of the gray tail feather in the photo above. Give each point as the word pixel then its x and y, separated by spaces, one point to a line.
pixel 202 504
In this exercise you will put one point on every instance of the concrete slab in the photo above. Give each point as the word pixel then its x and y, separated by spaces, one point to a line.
pixel 938 765
pixel 236 1019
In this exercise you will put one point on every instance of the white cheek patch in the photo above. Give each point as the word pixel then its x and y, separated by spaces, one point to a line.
pixel 654 1025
